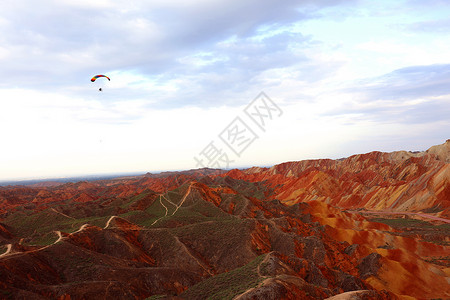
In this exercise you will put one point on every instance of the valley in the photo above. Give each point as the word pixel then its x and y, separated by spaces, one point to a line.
pixel 374 224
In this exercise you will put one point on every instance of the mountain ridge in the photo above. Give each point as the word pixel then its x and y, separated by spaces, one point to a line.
pixel 297 230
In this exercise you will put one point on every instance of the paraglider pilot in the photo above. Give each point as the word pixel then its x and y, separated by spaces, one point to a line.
pixel 97 76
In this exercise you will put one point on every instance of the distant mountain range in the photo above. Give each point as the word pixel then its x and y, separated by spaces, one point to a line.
pixel 58 181
pixel 370 226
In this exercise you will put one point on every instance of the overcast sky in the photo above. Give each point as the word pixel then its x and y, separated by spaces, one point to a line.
pixel 339 77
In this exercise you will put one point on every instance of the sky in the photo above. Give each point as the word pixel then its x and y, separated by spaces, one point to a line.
pixel 217 83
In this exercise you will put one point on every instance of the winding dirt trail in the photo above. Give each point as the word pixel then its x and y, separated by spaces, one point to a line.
pixel 177 206
pixel 60 237
pixel 52 209
pixel 109 221
pixel 199 262
pixel 184 198
pixel 9 253
pixel 8 249
pixel 81 228
pixel 160 201
pixel 165 198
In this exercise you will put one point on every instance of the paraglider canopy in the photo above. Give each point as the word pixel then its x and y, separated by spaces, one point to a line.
pixel 98 76
pixel 93 79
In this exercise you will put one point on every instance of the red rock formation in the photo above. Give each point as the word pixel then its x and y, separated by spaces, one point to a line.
pixel 295 229
pixel 398 181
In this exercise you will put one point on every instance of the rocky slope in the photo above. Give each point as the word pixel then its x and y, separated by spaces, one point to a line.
pixel 396 182
pixel 298 230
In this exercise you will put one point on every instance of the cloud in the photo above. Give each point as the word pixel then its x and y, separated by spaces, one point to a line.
pixel 180 71
pixel 428 4
pixel 238 66
pixel 409 83
pixel 438 26
pixel 412 95
pixel 62 43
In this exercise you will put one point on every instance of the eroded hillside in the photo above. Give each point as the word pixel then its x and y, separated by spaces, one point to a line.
pixel 299 230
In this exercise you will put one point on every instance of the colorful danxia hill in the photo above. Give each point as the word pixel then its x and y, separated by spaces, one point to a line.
pixel 370 226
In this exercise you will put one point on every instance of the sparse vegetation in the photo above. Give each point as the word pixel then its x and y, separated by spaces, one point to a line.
pixel 215 231
pixel 38 229
pixel 227 285
pixel 156 297
pixel 136 199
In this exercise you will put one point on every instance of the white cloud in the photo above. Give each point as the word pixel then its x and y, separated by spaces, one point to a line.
pixel 343 71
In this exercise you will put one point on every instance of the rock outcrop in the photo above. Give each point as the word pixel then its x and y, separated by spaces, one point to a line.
pixel 319 229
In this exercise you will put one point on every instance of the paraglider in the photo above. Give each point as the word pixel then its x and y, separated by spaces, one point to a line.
pixel 93 79
pixel 98 76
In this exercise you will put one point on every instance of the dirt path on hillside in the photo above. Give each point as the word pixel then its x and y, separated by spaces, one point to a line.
pixel 177 206
pixel 189 252
pixel 60 237
pixel 52 209
pixel 10 253
pixel 160 201
pixel 109 221
pixel 8 249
